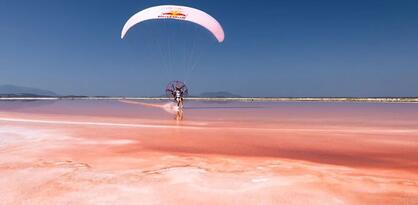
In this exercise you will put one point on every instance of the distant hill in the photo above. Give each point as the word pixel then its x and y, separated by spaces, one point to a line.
pixel 221 94
pixel 19 91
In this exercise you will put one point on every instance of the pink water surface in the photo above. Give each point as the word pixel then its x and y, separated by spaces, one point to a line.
pixel 110 152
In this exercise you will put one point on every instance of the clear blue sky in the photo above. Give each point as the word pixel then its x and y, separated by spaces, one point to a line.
pixel 272 48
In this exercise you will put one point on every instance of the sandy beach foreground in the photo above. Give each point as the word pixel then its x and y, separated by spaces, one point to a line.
pixel 109 152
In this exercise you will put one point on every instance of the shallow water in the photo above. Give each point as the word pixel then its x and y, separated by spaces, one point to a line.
pixel 256 152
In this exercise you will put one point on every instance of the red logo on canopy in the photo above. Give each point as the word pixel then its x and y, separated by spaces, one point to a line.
pixel 173 14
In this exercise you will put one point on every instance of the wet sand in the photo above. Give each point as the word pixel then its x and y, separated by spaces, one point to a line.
pixel 110 152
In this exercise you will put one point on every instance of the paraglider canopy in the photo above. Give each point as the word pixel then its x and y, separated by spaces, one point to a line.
pixel 175 12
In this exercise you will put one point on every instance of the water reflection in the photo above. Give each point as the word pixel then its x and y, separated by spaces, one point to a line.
pixel 179 114
pixel 14 105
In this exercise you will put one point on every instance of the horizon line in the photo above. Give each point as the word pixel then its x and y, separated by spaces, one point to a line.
pixel 243 99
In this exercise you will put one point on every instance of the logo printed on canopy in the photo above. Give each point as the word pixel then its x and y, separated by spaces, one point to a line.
pixel 173 13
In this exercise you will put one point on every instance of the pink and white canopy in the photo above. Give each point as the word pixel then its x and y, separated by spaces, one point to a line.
pixel 178 13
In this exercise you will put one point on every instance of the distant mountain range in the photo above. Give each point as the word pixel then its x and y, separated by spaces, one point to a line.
pixel 20 91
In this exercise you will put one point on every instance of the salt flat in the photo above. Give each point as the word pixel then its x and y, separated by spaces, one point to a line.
pixel 109 152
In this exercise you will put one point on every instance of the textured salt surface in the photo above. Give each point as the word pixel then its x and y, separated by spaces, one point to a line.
pixel 82 152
